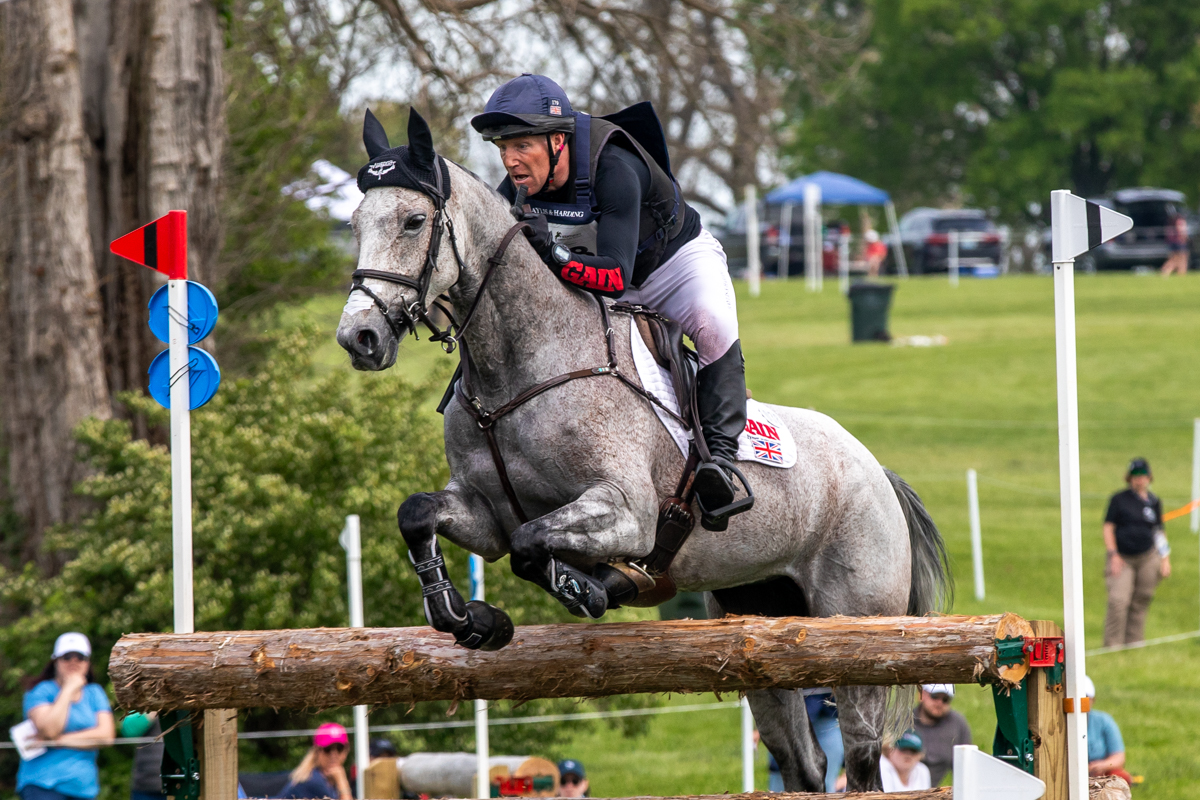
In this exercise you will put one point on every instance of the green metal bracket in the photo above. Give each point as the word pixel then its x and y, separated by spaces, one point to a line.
pixel 181 766
pixel 1013 742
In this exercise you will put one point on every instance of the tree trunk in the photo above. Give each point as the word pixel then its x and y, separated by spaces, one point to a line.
pixel 113 114
pixel 330 667
pixel 50 319
pixel 158 145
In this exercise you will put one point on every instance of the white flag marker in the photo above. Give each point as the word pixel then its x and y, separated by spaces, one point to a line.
pixel 978 776
pixel 1083 226
pixel 1076 227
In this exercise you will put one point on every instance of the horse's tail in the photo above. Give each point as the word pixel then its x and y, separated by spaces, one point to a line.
pixel 932 588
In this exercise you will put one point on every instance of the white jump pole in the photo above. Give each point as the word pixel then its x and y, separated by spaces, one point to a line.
pixel 483 778
pixel 351 542
pixel 753 262
pixel 952 247
pixel 181 457
pixel 1196 474
pixel 976 535
pixel 813 269
pixel 844 263
pixel 1069 500
pixel 747 747
pixel 785 240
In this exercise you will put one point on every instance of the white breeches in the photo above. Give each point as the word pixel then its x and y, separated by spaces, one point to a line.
pixel 693 288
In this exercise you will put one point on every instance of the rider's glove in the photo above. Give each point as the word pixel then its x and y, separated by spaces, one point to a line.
pixel 538 234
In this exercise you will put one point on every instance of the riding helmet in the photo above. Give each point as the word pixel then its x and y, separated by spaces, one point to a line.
pixel 525 106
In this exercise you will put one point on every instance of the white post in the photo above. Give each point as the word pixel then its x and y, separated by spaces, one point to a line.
pixel 812 237
pixel 181 456
pixel 747 747
pixel 351 542
pixel 1196 474
pixel 753 262
pixel 976 535
pixel 1072 532
pixel 889 211
pixel 952 246
pixel 483 781
pixel 844 263
pixel 785 241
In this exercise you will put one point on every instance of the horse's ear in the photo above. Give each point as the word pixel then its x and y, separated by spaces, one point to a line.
pixel 374 137
pixel 420 140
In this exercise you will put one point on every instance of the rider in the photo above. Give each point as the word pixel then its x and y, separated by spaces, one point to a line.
pixel 607 217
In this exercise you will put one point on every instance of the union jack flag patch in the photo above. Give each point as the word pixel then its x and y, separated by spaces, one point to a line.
pixel 766 450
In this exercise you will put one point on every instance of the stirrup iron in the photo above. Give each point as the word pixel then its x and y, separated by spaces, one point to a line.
pixel 718 516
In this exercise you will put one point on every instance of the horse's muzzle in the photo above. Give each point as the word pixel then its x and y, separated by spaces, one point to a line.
pixel 371 347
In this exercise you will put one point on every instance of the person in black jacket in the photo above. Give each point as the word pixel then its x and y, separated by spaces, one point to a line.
pixel 1138 556
pixel 606 215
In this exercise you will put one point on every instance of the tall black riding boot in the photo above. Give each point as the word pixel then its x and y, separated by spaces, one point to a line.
pixel 721 397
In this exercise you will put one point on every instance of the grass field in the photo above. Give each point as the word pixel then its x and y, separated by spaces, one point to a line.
pixel 986 401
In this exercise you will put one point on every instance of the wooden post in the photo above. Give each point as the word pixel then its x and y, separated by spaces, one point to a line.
pixel 219 754
pixel 1048 723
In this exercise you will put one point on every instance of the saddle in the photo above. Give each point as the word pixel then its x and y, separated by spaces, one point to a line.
pixel 664 339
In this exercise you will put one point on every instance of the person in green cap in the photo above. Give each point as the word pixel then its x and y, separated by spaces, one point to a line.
pixel 1138 556
pixel 900 766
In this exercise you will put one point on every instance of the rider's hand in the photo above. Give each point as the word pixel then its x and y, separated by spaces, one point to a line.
pixel 538 234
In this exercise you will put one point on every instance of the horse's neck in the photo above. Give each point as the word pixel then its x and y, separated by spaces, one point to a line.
pixel 528 326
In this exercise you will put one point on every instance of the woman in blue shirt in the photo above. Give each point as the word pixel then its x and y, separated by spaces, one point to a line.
pixel 71 710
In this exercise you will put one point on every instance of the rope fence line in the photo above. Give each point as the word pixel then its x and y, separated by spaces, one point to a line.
pixel 1177 637
pixel 429 726
pixel 1050 425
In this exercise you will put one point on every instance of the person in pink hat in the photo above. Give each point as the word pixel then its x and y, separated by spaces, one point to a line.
pixel 322 773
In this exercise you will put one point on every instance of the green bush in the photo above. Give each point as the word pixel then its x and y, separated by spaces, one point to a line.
pixel 279 459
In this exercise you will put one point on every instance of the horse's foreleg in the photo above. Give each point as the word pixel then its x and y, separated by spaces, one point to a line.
pixel 461 515
pixel 602 523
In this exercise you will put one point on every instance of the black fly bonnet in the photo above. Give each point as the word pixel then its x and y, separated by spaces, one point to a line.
pixel 413 166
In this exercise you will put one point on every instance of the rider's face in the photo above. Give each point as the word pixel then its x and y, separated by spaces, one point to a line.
pixel 527 159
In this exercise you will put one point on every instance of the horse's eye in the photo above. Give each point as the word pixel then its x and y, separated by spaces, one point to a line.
pixel 414 222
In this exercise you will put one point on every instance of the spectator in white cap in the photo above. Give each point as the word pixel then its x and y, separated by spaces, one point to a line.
pixel 940 727
pixel 71 710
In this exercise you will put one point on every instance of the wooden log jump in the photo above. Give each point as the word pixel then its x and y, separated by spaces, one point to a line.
pixel 329 667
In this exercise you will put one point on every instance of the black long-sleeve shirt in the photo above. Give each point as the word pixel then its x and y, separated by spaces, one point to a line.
pixel 622 184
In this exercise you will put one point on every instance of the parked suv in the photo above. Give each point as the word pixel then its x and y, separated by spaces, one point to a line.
pixel 1152 212
pixel 924 234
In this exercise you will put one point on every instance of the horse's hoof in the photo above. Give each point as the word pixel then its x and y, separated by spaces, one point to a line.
pixel 488 628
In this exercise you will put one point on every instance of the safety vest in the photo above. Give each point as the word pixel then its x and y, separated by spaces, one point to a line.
pixel 574 224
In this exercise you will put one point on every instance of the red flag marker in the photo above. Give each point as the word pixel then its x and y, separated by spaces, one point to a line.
pixel 160 245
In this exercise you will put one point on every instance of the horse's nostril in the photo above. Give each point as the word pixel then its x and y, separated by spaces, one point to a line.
pixel 368 342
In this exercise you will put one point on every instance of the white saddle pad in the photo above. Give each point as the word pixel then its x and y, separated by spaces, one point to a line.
pixel 765 440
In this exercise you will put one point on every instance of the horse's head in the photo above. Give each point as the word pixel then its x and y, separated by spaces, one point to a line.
pixel 403 261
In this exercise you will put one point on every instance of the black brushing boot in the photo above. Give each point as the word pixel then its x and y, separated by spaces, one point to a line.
pixel 721 398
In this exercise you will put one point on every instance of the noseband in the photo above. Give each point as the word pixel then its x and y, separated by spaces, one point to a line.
pixel 403 319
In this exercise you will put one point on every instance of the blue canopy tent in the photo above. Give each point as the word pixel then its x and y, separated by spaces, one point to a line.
pixel 840 190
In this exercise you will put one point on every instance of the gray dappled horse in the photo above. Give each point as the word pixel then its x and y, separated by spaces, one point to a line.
pixel 590 461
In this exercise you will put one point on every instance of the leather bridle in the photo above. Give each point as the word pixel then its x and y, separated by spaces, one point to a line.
pixel 402 319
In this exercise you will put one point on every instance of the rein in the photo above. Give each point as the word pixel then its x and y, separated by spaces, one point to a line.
pixel 452 336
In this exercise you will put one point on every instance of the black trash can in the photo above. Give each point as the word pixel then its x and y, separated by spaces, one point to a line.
pixel 869 305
